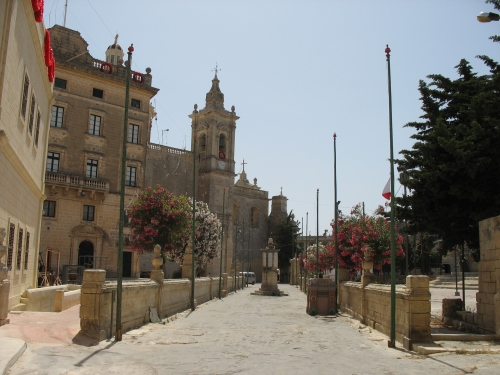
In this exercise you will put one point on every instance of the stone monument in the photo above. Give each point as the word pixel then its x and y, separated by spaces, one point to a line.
pixel 269 285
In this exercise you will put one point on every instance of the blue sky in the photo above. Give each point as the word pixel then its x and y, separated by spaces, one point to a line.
pixel 297 71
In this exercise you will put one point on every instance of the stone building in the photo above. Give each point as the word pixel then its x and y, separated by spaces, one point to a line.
pixel 25 100
pixel 246 205
pixel 83 167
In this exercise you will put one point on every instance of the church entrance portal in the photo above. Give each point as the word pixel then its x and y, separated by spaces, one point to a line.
pixel 86 254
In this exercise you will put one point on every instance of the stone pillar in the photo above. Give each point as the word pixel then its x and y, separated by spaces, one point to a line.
pixel 293 275
pixel 418 327
pixel 95 305
pixel 187 263
pixel 4 283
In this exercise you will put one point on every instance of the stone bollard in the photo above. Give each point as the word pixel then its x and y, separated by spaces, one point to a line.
pixel 94 305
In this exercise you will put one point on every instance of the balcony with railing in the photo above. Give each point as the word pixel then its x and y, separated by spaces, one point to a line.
pixel 77 182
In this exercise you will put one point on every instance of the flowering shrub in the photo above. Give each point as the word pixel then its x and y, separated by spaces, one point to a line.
pixel 159 217
pixel 325 263
pixel 207 234
pixel 358 232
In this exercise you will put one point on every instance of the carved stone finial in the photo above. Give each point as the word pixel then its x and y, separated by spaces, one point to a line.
pixel 232 108
pixel 148 70
pixel 255 181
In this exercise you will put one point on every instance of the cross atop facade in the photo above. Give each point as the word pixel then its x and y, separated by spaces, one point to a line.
pixel 216 69
pixel 243 164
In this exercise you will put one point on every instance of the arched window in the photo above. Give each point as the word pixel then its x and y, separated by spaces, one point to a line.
pixel 203 142
pixel 222 143
pixel 254 216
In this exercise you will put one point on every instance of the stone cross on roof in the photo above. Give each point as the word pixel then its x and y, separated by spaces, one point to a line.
pixel 216 69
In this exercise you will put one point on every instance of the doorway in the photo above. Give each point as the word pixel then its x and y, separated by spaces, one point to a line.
pixel 86 254
pixel 127 264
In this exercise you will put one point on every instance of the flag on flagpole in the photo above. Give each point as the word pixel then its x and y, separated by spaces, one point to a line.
pixel 386 193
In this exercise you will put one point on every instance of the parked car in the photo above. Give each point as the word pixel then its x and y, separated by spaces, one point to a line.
pixel 250 276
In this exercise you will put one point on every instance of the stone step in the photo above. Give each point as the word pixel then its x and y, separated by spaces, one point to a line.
pixel 19 307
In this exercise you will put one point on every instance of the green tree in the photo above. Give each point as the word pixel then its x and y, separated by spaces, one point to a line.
pixel 496 5
pixel 452 167
pixel 285 238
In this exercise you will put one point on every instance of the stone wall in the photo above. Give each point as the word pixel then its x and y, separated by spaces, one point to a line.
pixel 488 296
pixel 371 304
pixel 48 300
pixel 98 301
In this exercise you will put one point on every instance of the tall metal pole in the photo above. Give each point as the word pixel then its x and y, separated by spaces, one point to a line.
pixel 457 293
pixel 307 236
pixel 463 276
pixel 235 258
pixel 193 230
pixel 118 336
pixel 392 339
pixel 336 219
pixel 234 261
pixel 65 11
pixel 222 242
pixel 317 233
pixel 248 254
pixel 303 245
pixel 243 255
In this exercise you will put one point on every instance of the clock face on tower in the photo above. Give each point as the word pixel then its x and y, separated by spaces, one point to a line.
pixel 222 164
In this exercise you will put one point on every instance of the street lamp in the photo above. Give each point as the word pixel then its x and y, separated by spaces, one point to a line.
pixel 488 17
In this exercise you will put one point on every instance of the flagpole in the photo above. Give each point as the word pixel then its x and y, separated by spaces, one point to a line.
pixel 336 221
pixel 392 339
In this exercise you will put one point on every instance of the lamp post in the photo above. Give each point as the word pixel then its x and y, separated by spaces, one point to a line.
pixel 336 219
pixel 193 230
pixel 235 259
pixel 222 243
pixel 457 293
pixel 118 335
pixel 317 233
pixel 243 255
pixel 392 338
pixel 488 17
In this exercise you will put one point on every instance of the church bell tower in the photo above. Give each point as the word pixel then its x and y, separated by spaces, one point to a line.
pixel 213 129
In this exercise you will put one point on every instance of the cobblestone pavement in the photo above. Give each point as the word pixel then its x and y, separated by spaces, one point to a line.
pixel 245 334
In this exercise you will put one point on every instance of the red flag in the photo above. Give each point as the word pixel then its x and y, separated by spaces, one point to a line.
pixel 387 190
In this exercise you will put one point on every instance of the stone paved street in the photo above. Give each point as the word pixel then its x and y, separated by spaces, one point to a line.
pixel 247 334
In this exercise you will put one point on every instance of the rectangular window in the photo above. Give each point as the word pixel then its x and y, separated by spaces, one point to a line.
pixel 49 208
pixel 91 168
pixel 88 213
pixel 37 128
pixel 52 164
pixel 26 250
pixel 60 83
pixel 112 59
pixel 32 114
pixel 24 103
pixel 95 125
pixel 130 177
pixel 10 250
pixel 97 93
pixel 133 133
pixel 19 249
pixel 135 103
pixel 56 118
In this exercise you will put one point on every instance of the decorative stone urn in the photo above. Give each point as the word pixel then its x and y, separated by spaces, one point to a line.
pixel 157 260
pixel 367 277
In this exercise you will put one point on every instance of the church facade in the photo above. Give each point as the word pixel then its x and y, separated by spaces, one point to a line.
pixel 242 207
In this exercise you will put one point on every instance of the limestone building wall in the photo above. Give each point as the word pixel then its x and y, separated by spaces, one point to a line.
pixel 25 99
pixel 488 296
pixel 83 174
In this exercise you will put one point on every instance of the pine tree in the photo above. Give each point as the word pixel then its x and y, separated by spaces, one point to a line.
pixel 453 165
